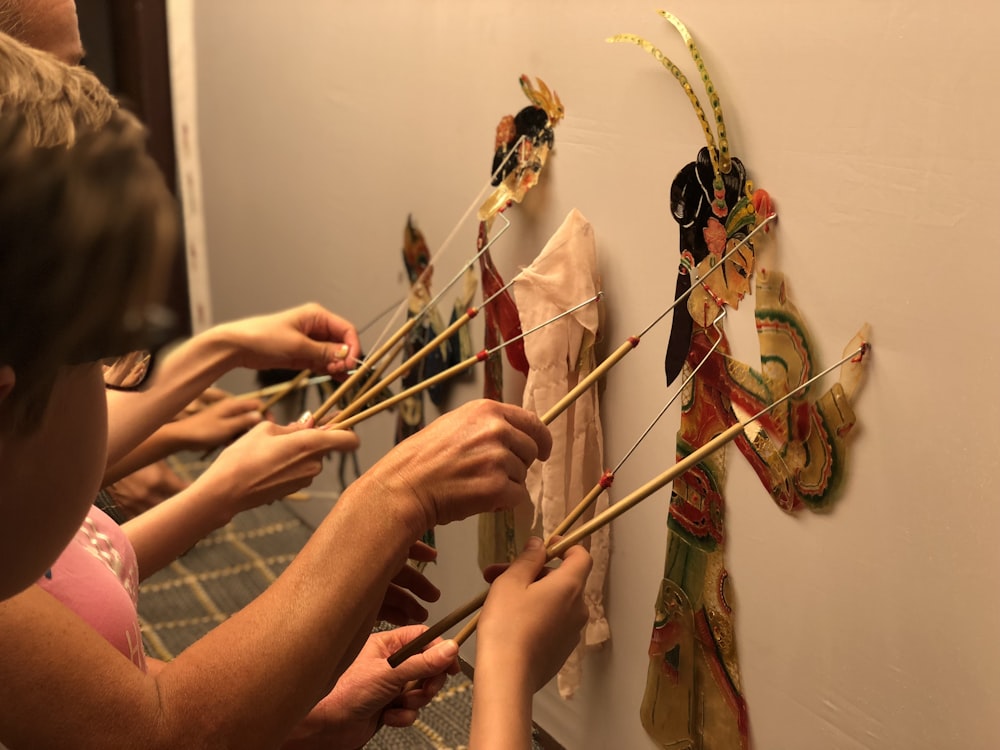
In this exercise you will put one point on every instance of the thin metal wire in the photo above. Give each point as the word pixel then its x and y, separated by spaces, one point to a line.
pixel 715 324
pixel 503 345
pixel 448 240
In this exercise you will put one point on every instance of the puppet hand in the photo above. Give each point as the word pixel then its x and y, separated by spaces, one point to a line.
pixel 273 461
pixel 400 605
pixel 419 296
pixel 307 336
pixel 371 693
pixel 217 423
pixel 533 616
pixel 470 460
pixel 852 371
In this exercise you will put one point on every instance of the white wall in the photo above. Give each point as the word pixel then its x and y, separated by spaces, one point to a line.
pixel 324 124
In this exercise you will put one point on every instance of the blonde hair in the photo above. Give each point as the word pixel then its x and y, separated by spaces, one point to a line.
pixel 12 20
pixel 57 101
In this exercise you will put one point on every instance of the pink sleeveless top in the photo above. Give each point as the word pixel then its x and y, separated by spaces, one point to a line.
pixel 97 577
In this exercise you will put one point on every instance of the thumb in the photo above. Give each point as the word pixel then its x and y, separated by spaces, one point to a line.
pixel 433 661
pixel 331 354
pixel 529 563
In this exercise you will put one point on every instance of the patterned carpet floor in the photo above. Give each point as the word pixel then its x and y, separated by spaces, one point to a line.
pixel 225 571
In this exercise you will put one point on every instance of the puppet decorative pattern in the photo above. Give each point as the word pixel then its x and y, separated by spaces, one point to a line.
pixel 420 271
pixel 521 148
pixel 694 695
pixel 417 260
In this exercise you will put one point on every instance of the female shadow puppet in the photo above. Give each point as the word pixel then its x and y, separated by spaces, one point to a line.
pixel 693 697
pixel 798 451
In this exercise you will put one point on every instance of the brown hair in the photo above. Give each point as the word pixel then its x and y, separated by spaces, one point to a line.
pixel 84 220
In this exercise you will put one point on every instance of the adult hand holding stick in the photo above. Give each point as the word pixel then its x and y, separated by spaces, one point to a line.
pixel 559 547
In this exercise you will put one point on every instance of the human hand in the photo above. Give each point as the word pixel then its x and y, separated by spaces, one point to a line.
pixel 308 336
pixel 371 693
pixel 142 489
pixel 470 460
pixel 400 606
pixel 206 398
pixel 533 615
pixel 272 461
pixel 216 423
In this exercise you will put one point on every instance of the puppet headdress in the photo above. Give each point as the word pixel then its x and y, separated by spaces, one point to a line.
pixel 712 186
pixel 718 154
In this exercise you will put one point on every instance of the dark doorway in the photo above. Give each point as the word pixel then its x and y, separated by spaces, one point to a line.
pixel 126 46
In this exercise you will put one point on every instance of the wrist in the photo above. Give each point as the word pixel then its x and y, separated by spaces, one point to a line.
pixel 397 505
pixel 172 439
pixel 222 346
pixel 216 496
pixel 194 365
pixel 501 709
pixel 494 659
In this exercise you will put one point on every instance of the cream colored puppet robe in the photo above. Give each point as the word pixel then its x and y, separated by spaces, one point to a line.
pixel 563 275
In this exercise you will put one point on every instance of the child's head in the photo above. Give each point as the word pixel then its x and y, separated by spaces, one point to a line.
pixel 87 227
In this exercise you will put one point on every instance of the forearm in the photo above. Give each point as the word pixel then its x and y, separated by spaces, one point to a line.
pixel 291 644
pixel 166 531
pixel 246 684
pixel 164 442
pixel 189 370
pixel 501 708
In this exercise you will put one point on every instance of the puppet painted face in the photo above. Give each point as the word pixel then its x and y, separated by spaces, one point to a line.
pixel 729 284
pixel 416 255
pixel 522 146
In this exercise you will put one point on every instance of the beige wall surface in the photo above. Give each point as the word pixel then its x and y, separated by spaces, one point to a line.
pixel 323 124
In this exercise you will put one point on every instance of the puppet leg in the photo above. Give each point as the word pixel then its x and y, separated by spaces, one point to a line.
pixel 668 709
pixel 692 699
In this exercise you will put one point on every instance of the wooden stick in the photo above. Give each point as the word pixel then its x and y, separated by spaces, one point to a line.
pixel 381 406
pixel 272 389
pixel 581 507
pixel 470 627
pixel 363 396
pixel 364 368
pixel 453 370
pixel 290 386
pixel 447 241
pixel 630 501
pixel 604 483
pixel 379 385
pixel 439 628
pixel 623 505
pixel 631 343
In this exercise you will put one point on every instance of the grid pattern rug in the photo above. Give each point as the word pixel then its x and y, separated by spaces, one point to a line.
pixel 227 570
